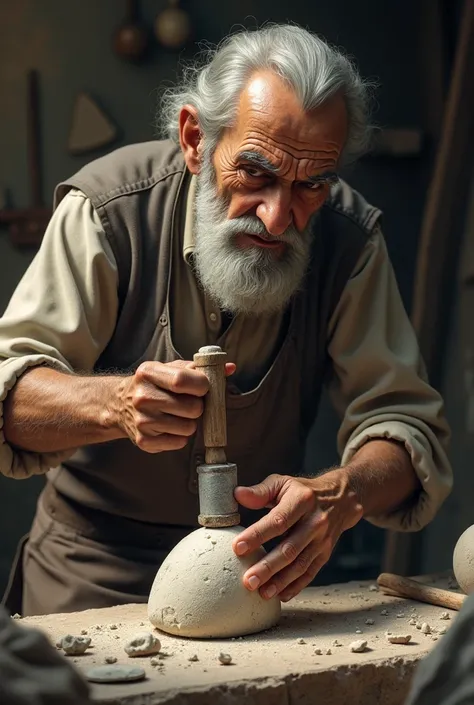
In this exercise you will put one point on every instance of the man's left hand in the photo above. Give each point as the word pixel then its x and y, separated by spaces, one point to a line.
pixel 310 514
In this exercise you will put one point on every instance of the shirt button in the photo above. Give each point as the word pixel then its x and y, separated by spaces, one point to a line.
pixel 213 317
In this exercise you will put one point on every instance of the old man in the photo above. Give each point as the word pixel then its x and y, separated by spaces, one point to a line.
pixel 236 230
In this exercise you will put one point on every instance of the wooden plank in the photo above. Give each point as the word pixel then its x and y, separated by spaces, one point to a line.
pixel 440 240
pixel 441 233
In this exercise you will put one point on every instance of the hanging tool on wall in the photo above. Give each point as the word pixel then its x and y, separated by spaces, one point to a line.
pixel 173 26
pixel 26 226
pixel 131 40
pixel 91 128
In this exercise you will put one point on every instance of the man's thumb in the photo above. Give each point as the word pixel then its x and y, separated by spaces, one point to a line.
pixel 257 496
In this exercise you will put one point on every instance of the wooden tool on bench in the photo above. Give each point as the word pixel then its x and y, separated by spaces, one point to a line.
pixel 413 590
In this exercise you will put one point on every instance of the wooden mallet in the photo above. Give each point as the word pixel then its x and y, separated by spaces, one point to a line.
pixel 413 590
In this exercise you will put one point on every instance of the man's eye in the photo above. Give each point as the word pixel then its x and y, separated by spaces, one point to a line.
pixel 313 185
pixel 252 171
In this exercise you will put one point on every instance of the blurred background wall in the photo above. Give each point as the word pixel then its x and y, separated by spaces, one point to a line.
pixel 392 42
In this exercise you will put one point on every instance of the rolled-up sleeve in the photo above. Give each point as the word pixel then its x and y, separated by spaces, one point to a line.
pixel 62 314
pixel 379 385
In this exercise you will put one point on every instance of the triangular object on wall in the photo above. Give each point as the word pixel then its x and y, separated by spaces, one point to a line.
pixel 91 128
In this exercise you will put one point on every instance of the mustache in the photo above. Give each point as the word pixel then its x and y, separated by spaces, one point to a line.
pixel 251 225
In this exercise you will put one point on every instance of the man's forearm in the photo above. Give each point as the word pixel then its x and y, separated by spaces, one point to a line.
pixel 382 476
pixel 50 411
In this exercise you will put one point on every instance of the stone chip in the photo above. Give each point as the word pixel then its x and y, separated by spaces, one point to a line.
pixel 225 659
pixel 74 645
pixel 142 645
pixel 358 646
pixel 399 638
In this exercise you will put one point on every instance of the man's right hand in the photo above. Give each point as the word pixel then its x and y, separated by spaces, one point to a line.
pixel 160 404
pixel 157 408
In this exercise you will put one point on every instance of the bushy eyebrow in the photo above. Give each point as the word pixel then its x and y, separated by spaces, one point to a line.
pixel 259 160
pixel 262 162
pixel 328 177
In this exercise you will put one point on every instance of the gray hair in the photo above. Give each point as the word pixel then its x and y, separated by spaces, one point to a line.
pixel 312 68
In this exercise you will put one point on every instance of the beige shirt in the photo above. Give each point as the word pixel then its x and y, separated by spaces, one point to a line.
pixel 64 311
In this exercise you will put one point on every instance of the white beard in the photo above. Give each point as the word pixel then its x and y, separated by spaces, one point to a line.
pixel 251 280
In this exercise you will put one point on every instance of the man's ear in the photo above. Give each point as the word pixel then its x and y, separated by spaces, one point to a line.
pixel 190 138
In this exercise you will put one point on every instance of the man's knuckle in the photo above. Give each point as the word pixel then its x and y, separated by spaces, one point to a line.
pixel 140 397
pixel 274 476
pixel 266 567
pixel 303 562
pixel 289 551
pixel 141 422
pixel 307 495
pixel 144 370
pixel 280 521
pixel 257 536
pixel 178 379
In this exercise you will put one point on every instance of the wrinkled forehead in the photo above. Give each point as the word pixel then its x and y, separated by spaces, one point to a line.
pixel 271 121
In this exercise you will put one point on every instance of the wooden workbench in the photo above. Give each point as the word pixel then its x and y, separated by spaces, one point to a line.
pixel 277 667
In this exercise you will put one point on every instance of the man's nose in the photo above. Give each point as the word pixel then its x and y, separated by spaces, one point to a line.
pixel 275 212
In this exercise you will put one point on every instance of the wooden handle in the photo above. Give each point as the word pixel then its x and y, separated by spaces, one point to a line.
pixel 413 590
pixel 211 360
